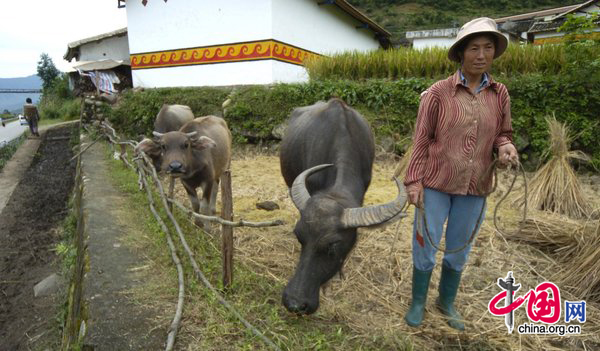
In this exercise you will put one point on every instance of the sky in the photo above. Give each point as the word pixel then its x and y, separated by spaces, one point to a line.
pixel 29 28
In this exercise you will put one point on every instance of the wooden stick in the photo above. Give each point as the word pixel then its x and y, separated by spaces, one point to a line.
pixel 240 223
pixel 179 311
pixel 226 230
pixel 195 266
pixel 84 149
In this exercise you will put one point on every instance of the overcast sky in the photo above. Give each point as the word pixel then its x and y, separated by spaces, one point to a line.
pixel 30 27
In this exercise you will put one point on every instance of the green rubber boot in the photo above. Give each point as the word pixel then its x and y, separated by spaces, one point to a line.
pixel 448 288
pixel 420 285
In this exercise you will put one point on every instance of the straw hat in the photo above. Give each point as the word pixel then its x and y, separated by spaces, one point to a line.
pixel 482 25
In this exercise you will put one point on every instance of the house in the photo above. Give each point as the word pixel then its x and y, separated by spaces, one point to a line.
pixel 431 38
pixel 536 27
pixel 517 26
pixel 107 54
pixel 240 42
pixel 545 31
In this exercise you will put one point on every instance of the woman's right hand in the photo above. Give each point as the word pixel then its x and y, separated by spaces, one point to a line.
pixel 415 197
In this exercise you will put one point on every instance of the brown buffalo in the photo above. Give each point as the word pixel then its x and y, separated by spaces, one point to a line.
pixel 198 153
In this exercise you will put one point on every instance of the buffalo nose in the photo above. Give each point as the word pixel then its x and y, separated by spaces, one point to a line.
pixel 175 167
pixel 295 306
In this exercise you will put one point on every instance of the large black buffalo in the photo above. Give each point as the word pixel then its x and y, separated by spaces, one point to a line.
pixel 326 159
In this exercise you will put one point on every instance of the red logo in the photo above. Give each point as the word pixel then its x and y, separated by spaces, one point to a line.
pixel 543 303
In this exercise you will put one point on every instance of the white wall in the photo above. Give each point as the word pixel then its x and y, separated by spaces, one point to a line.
pixel 423 43
pixel 221 74
pixel 116 48
pixel 433 42
pixel 179 24
pixel 324 29
pixel 286 73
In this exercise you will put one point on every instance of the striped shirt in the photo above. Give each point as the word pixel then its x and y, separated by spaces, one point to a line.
pixel 455 135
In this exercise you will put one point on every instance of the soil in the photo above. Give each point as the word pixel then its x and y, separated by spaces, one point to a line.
pixel 28 236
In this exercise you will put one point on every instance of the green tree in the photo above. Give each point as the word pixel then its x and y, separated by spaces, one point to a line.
pixel 581 50
pixel 47 71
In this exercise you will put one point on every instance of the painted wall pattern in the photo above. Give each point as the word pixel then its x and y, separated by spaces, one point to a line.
pixel 248 51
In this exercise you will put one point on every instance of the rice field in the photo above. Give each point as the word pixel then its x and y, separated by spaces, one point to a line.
pixel 432 63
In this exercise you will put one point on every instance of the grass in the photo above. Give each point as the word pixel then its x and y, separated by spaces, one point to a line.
pixel 256 295
pixel 7 151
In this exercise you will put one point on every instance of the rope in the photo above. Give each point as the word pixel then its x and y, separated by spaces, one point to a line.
pixel 422 218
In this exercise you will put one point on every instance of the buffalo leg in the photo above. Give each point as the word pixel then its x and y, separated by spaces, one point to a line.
pixel 207 190
pixel 213 197
pixel 193 195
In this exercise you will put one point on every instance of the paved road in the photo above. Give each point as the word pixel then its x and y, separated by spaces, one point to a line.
pixel 12 131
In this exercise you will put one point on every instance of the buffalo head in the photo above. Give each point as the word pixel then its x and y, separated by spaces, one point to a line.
pixel 327 232
pixel 173 152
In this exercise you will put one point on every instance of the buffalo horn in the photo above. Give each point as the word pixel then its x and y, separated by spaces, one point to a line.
pixel 191 134
pixel 376 214
pixel 157 134
pixel 298 191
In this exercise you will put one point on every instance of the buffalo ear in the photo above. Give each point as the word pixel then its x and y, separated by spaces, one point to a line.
pixel 202 142
pixel 150 147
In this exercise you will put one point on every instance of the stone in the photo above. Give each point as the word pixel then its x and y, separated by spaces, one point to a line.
pixel 48 286
pixel 278 131
pixel 267 206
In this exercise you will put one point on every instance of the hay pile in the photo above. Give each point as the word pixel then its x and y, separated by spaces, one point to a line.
pixel 573 245
pixel 375 292
pixel 555 187
pixel 582 271
pixel 559 236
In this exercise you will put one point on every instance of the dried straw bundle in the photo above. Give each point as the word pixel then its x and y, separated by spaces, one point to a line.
pixel 582 274
pixel 558 236
pixel 555 186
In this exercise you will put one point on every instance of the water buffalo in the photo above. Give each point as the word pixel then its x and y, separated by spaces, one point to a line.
pixel 198 153
pixel 326 159
pixel 172 117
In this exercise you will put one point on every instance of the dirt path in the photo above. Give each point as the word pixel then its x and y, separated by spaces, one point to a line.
pixel 34 193
pixel 116 321
pixel 28 235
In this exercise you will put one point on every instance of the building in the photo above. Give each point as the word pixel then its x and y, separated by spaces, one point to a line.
pixel 545 31
pixel 240 42
pixel 107 54
pixel 536 27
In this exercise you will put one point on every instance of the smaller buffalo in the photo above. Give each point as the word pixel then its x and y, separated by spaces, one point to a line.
pixel 198 153
pixel 172 117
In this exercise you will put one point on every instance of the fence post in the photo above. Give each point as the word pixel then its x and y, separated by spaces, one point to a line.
pixel 226 230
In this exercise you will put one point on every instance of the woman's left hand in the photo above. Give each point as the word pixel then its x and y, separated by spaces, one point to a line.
pixel 507 153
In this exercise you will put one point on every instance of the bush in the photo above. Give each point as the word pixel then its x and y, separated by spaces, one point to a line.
pixel 136 111
pixel 58 102
pixel 390 106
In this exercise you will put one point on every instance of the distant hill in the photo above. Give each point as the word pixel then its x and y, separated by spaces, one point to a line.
pixel 400 16
pixel 14 102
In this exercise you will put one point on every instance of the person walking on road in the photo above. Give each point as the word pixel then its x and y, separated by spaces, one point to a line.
pixel 32 115
pixel 462 121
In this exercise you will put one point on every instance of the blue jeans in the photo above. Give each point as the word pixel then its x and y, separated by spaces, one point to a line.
pixel 462 213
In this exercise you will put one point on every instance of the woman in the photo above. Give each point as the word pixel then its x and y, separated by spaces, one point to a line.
pixel 462 120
